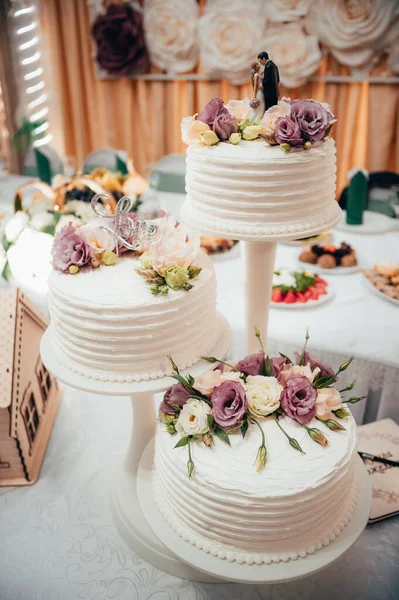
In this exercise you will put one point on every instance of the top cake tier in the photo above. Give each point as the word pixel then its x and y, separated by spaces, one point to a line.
pixel 259 190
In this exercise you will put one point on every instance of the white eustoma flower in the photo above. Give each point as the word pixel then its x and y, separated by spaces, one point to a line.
pixel 41 219
pixel 193 418
pixel 15 226
pixel 263 394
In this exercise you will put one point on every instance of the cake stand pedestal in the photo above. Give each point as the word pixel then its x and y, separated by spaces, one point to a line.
pixel 259 252
pixel 128 516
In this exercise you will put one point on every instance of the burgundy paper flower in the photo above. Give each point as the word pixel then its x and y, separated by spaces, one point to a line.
pixel 298 399
pixel 224 125
pixel 69 248
pixel 288 131
pixel 312 117
pixel 177 394
pixel 252 364
pixel 212 110
pixel 119 37
pixel 229 404
pixel 325 370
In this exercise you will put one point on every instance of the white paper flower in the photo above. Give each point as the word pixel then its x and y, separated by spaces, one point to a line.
pixel 193 418
pixel 231 36
pixel 263 394
pixel 30 259
pixel 355 31
pixel 296 53
pixel 171 34
pixel 15 226
pixel 98 239
pixel 283 11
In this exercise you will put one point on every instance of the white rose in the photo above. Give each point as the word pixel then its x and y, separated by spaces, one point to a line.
pixel 40 220
pixel 190 131
pixel 98 239
pixel 207 382
pixel 303 370
pixel 239 109
pixel 355 32
pixel 193 418
pixel 65 219
pixel 171 34
pixel 270 117
pixel 231 376
pixel 174 249
pixel 328 399
pixel 263 394
pixel 15 226
pixel 296 53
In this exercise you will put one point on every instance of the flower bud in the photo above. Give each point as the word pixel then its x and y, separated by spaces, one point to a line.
pixel 260 458
pixel 294 444
pixel 334 425
pixel 317 436
pixel 209 137
pixel 307 145
pixel 73 269
pixel 251 132
pixel 146 261
pixel 342 413
pixel 108 258
pixel 285 147
pixel 94 262
pixel 169 419
pixel 190 468
pixel 269 139
pixel 207 439
pixel 176 277
pixel 235 138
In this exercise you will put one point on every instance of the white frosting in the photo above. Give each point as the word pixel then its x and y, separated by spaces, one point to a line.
pixel 294 506
pixel 107 325
pixel 255 188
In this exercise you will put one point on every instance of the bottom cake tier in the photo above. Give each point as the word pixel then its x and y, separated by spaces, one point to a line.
pixel 294 506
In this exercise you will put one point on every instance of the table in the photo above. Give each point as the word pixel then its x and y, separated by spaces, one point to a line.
pixel 58 541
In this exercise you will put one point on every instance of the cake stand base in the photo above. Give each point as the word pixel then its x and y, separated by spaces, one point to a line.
pixel 128 515
pixel 242 573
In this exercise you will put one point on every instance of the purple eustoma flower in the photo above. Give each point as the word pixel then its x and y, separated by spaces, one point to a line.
pixel 298 399
pixel 69 248
pixel 325 370
pixel 212 110
pixel 252 364
pixel 313 118
pixel 177 394
pixel 229 404
pixel 288 131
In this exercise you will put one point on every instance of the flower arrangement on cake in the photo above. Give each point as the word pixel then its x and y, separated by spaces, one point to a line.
pixel 290 287
pixel 233 397
pixel 290 124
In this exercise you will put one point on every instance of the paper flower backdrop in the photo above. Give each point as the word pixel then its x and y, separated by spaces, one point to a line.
pixel 171 34
pixel 230 39
pixel 355 31
pixel 283 11
pixel 296 53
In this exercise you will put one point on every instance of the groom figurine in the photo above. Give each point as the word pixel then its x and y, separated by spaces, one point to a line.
pixel 270 81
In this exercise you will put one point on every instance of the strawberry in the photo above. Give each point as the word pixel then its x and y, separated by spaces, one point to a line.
pixel 277 295
pixel 314 293
pixel 301 297
pixel 290 297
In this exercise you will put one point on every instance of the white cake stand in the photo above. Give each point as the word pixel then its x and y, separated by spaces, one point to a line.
pixel 258 253
pixel 128 515
pixel 243 573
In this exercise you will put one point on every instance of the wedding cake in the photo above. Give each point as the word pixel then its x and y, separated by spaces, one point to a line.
pixel 273 178
pixel 257 465
pixel 116 318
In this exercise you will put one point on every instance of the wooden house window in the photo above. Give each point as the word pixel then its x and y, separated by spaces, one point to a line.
pixel 31 416
pixel 44 380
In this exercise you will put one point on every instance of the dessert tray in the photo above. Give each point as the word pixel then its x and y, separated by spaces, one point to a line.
pixel 299 289
pixel 244 573
pixel 334 254
pixel 378 292
pixel 373 222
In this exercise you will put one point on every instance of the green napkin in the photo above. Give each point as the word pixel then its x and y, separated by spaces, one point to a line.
pixel 121 166
pixel 43 167
pixel 357 198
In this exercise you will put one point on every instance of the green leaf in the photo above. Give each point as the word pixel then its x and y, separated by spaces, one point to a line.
pixel 210 420
pixel 287 359
pixel 6 272
pixel 50 229
pixel 190 380
pixel 183 441
pixel 268 367
pixel 323 382
pixel 174 365
pixel 194 271
pixel 222 435
pixel 244 428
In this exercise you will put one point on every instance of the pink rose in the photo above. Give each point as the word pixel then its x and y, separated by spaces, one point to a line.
pixel 69 248
pixel 298 399
pixel 328 399
pixel 207 382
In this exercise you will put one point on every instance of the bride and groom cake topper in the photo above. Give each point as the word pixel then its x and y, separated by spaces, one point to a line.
pixel 265 79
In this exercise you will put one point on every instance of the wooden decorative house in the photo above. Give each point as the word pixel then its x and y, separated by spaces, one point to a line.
pixel 29 395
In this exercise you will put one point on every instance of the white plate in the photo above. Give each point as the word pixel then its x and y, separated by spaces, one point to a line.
pixel 306 241
pixel 309 304
pixel 373 222
pixel 378 292
pixel 337 271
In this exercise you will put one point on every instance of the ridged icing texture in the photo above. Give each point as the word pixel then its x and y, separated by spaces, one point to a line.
pixel 253 185
pixel 107 325
pixel 297 504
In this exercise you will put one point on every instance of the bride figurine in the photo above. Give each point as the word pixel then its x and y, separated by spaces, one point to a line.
pixel 265 79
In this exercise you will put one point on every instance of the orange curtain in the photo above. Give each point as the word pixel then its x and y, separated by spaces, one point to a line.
pixel 143 117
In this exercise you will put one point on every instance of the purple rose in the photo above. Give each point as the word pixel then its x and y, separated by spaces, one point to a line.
pixel 177 394
pixel 212 110
pixel 277 363
pixel 298 399
pixel 69 248
pixel 325 370
pixel 119 37
pixel 229 404
pixel 312 117
pixel 252 364
pixel 288 131
pixel 224 125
